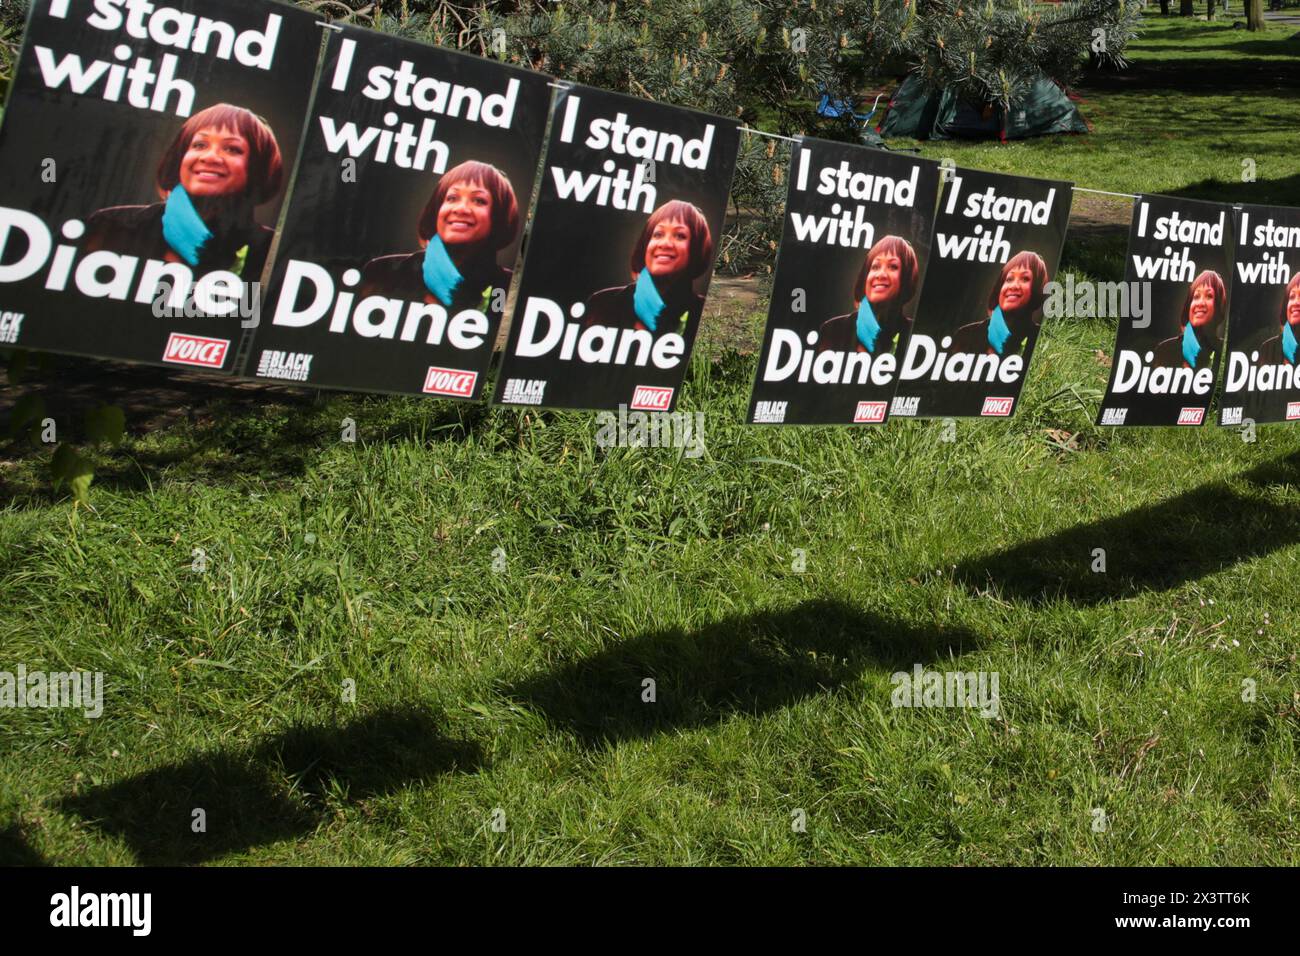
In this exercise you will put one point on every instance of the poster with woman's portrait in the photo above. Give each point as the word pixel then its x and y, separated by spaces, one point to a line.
pixel 997 243
pixel 621 252
pixel 1261 377
pixel 854 248
pixel 144 158
pixel 400 243
pixel 1165 361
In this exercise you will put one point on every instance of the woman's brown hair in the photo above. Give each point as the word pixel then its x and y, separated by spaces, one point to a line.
pixel 1215 282
pixel 688 215
pixel 505 207
pixel 265 166
pixel 1295 281
pixel 909 270
pixel 1037 268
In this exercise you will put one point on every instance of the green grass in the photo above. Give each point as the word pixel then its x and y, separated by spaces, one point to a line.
pixel 521 689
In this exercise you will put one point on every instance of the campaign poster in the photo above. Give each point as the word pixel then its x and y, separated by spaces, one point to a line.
pixel 854 248
pixel 1261 381
pixel 1167 354
pixel 406 220
pixel 144 158
pixel 997 244
pixel 620 254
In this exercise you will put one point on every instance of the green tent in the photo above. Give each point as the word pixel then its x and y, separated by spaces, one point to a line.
pixel 940 114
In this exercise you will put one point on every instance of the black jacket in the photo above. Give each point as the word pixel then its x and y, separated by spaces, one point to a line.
pixel 840 334
pixel 615 307
pixel 1169 354
pixel 137 231
pixel 974 339
pixel 402 277
pixel 1270 352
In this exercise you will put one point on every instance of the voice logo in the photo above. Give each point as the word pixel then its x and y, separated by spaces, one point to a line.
pixel 650 398
pixel 1191 416
pixel 997 406
pixel 870 413
pixel 450 381
pixel 196 350
pixel 1292 411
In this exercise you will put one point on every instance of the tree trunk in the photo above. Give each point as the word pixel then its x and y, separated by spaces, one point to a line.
pixel 1209 9
pixel 1187 8
pixel 1164 8
pixel 1254 14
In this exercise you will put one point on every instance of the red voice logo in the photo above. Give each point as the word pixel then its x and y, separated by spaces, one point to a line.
pixel 1191 416
pixel 870 412
pixel 196 350
pixel 450 381
pixel 997 406
pixel 650 398
pixel 1292 411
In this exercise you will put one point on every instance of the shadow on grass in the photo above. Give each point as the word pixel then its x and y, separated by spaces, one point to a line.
pixel 278 790
pixel 16 851
pixel 751 665
pixel 1263 191
pixel 205 428
pixel 1153 548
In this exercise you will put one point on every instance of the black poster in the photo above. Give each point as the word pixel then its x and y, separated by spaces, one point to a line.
pixel 997 243
pixel 1167 353
pixel 406 220
pixel 620 254
pixel 854 248
pixel 144 157
pixel 1261 382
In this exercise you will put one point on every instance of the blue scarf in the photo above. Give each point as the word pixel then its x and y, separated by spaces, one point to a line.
pixel 1289 342
pixel 183 228
pixel 868 327
pixel 1191 345
pixel 647 303
pixel 999 331
pixel 441 277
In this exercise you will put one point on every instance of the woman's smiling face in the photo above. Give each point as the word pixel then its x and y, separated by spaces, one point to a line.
pixel 1017 287
pixel 669 248
pixel 466 214
pixel 216 163
pixel 884 278
pixel 1202 308
pixel 1293 306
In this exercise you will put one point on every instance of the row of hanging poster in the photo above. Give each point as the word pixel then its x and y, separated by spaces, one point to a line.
pixel 203 185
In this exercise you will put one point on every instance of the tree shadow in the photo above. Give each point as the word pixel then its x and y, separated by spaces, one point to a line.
pixel 1282 191
pixel 751 664
pixel 277 790
pixel 1150 549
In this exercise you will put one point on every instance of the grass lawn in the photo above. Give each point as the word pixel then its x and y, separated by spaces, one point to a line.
pixel 498 590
